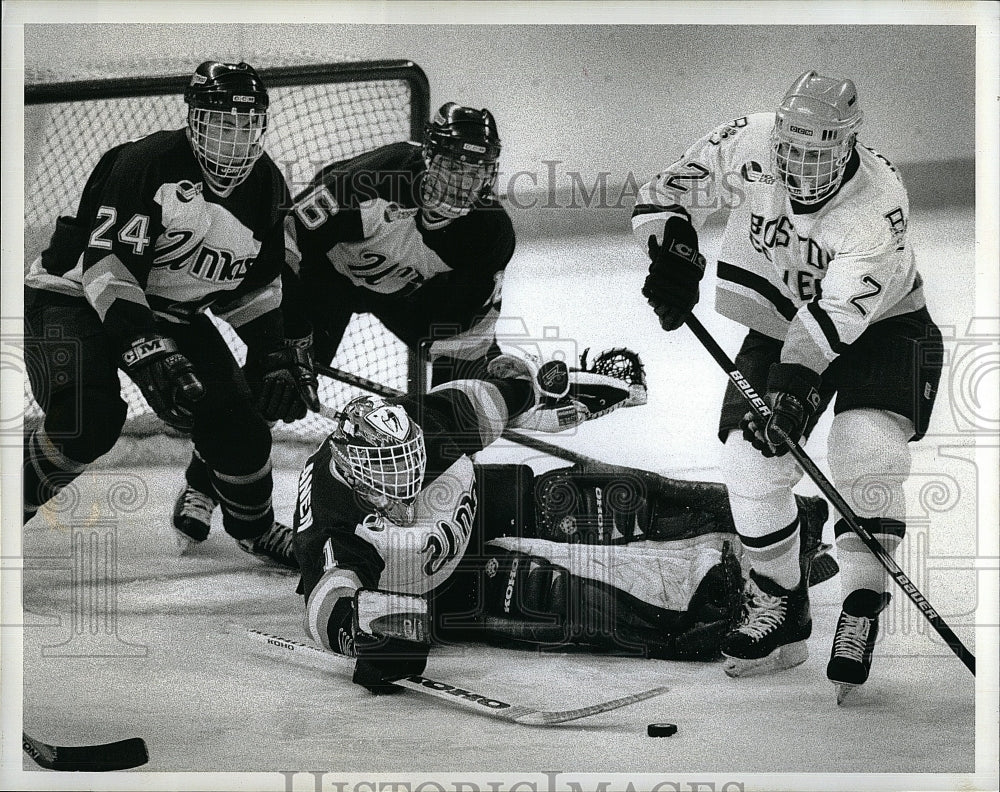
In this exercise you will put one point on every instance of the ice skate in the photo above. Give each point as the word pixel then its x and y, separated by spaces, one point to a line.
pixel 192 517
pixel 854 640
pixel 773 633
pixel 273 546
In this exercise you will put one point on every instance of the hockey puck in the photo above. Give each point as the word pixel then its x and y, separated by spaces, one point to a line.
pixel 661 729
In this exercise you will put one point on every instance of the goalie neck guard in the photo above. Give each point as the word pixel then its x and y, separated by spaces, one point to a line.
pixel 227 119
pixel 380 452
pixel 461 153
pixel 815 129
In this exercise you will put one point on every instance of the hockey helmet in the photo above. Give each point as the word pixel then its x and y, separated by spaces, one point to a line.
pixel 227 119
pixel 815 129
pixel 461 153
pixel 379 450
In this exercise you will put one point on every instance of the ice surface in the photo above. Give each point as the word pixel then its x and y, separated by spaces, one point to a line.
pixel 207 700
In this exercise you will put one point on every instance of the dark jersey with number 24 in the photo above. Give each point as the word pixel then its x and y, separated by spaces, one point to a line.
pixel 149 241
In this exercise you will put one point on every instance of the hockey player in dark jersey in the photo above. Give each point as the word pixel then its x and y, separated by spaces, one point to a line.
pixel 411 234
pixel 167 226
pixel 414 235
pixel 403 541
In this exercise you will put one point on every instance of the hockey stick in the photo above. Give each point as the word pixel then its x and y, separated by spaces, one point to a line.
pixel 392 393
pixel 451 694
pixel 760 407
pixel 121 755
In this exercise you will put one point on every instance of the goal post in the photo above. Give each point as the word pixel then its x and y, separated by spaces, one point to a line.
pixel 319 113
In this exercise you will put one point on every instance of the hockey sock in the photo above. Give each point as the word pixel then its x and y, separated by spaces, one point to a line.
pixel 776 555
pixel 198 476
pixel 46 471
pixel 245 501
pixel 859 569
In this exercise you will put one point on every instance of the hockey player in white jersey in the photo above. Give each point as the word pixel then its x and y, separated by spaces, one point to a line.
pixel 816 262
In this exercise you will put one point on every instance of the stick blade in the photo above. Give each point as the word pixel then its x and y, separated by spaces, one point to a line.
pixel 542 718
pixel 119 755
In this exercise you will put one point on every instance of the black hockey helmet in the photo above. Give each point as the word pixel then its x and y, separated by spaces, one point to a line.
pixel 227 119
pixel 461 151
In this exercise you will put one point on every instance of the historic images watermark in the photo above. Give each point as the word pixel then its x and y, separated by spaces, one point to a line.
pixel 545 781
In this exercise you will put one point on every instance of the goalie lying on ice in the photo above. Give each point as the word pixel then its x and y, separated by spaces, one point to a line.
pixel 403 541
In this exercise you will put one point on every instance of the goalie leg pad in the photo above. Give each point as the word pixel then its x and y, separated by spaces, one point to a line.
pixel 530 600
pixel 573 506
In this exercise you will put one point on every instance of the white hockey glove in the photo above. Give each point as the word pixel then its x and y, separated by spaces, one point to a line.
pixel 388 633
pixel 564 398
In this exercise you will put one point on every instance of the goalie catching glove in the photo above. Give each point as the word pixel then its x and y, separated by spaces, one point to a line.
pixel 566 397
pixel 388 633
pixel 620 363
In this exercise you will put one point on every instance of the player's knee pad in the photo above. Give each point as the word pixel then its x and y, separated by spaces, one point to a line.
pixel 90 427
pixel 760 488
pixel 235 446
pixel 870 459
pixel 748 474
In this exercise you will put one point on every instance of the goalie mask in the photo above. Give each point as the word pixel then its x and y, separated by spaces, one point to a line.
pixel 227 119
pixel 461 153
pixel 815 130
pixel 380 452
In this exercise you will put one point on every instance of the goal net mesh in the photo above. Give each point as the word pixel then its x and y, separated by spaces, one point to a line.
pixel 319 113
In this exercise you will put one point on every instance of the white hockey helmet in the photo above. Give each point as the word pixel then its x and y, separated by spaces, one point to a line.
pixel 815 129
pixel 379 450
pixel 227 119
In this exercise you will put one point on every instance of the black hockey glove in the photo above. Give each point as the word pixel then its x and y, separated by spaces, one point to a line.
pixel 284 382
pixel 388 633
pixel 621 363
pixel 165 377
pixel 675 270
pixel 793 396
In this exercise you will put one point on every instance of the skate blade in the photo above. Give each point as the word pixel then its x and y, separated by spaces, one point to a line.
pixel 844 691
pixel 782 658
pixel 185 544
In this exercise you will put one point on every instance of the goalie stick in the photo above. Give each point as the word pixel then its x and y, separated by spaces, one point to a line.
pixel 450 694
pixel 120 755
pixel 759 406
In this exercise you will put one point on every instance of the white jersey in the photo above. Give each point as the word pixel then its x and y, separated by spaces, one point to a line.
pixel 813 276
pixel 421 555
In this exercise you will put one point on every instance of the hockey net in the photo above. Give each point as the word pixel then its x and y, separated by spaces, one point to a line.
pixel 319 113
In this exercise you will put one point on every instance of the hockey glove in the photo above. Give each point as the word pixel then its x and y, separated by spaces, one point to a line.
pixel 284 382
pixel 165 377
pixel 793 396
pixel 676 267
pixel 564 398
pixel 388 633
pixel 623 364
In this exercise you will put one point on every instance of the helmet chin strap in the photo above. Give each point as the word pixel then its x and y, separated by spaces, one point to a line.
pixel 400 513
pixel 433 221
